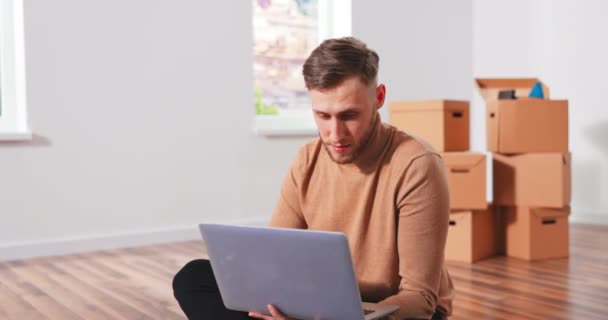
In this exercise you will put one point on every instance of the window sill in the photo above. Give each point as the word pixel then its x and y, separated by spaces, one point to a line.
pixel 285 125
pixel 16 136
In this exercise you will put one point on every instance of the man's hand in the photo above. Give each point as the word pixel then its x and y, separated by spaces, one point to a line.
pixel 275 314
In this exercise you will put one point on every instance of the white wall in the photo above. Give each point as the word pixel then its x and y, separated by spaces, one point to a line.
pixel 563 43
pixel 142 109
pixel 142 114
pixel 425 47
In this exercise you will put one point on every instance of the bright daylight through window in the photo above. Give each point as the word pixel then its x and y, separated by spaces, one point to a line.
pixel 285 32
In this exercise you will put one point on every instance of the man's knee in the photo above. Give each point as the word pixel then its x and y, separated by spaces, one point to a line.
pixel 195 274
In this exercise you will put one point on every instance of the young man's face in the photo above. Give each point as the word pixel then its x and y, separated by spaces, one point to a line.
pixel 345 116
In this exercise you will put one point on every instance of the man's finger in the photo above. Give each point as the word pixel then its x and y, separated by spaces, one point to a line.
pixel 259 316
pixel 276 313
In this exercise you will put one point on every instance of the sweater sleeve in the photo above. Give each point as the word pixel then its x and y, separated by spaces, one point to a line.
pixel 423 213
pixel 288 211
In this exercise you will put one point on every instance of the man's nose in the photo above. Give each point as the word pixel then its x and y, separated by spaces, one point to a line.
pixel 337 131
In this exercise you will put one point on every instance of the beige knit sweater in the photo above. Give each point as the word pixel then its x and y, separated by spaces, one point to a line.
pixel 392 203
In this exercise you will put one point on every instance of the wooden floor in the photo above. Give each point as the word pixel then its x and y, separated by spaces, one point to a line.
pixel 136 284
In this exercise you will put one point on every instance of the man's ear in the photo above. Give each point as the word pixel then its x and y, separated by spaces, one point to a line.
pixel 380 95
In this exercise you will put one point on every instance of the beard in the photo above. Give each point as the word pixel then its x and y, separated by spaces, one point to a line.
pixel 357 147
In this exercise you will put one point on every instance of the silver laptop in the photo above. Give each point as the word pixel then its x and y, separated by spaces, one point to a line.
pixel 306 274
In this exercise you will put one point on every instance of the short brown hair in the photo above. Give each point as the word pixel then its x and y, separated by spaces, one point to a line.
pixel 334 60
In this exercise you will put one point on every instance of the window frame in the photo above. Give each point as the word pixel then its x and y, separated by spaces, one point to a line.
pixel 13 114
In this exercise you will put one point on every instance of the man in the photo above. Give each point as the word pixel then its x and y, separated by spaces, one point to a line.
pixel 384 189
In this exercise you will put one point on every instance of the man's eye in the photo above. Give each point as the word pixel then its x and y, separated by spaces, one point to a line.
pixel 323 116
pixel 348 116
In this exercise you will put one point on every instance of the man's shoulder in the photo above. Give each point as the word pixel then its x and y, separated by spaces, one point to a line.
pixel 311 146
pixel 408 147
pixel 307 153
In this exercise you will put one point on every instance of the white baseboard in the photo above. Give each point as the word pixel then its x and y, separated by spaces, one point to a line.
pixel 53 247
pixel 589 218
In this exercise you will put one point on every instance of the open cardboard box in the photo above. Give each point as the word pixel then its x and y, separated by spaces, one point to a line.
pixel 532 179
pixel 443 123
pixel 524 124
pixel 466 173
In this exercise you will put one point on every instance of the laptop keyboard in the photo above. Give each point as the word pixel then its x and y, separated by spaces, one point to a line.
pixel 366 312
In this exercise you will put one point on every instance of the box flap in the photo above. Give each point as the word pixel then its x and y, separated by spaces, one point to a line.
pixel 427 105
pixel 462 160
pixel 489 87
pixel 545 213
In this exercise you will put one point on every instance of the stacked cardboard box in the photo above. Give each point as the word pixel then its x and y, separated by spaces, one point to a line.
pixel 531 162
pixel 445 125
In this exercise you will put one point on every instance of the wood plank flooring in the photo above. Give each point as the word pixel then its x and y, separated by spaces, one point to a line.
pixel 135 283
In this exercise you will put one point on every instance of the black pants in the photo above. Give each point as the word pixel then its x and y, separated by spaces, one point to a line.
pixel 195 289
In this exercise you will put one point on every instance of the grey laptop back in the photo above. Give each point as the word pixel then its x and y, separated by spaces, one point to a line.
pixel 307 274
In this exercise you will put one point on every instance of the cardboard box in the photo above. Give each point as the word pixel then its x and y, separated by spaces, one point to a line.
pixel 471 235
pixel 532 179
pixel 467 179
pixel 525 124
pixel 490 87
pixel 536 233
pixel 443 123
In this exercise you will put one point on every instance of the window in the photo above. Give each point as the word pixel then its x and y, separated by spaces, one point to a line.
pixel 13 121
pixel 285 32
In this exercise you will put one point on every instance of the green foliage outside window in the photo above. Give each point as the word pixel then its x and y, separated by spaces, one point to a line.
pixel 261 107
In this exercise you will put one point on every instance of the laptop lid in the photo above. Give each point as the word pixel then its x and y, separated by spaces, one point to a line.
pixel 306 274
